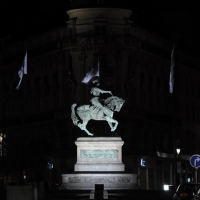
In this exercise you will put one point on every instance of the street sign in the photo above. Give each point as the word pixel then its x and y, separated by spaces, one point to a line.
pixel 195 161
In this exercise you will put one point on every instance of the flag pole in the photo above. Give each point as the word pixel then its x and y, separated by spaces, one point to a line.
pixel 94 71
pixel 21 72
pixel 84 65
pixel 173 89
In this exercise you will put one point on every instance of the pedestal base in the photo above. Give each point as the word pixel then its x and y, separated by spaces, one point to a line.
pixel 100 167
pixel 87 181
pixel 99 161
pixel 99 154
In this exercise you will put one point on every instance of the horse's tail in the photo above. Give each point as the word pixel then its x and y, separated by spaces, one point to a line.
pixel 73 115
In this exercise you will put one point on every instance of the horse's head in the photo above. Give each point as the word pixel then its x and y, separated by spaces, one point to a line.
pixel 114 103
pixel 119 104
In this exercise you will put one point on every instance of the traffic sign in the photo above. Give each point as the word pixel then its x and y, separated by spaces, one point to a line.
pixel 195 161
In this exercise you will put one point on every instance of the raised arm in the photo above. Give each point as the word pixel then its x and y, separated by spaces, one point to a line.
pixel 103 91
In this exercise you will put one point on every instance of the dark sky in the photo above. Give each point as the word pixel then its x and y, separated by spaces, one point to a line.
pixel 31 15
pixel 167 17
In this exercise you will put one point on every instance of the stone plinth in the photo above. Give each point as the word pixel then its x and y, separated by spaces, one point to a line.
pixel 99 154
pixel 99 161
pixel 87 181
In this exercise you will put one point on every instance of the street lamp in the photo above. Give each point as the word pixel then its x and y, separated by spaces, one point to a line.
pixel 178 164
pixel 178 151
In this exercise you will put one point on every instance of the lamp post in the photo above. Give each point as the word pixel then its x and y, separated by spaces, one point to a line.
pixel 1 145
pixel 178 166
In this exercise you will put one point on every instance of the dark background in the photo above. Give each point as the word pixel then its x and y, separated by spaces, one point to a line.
pixel 169 18
pixel 31 16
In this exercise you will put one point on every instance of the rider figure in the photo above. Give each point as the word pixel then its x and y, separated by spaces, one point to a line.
pixel 95 100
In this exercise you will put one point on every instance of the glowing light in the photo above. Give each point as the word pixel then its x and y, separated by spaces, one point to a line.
pixel 178 151
pixel 50 165
pixel 142 162
pixel 166 187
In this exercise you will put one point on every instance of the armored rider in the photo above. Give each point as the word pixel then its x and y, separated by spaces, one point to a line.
pixel 95 100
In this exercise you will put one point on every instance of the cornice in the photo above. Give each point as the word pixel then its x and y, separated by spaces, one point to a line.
pixel 104 43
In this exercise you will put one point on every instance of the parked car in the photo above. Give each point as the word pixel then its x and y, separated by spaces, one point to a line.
pixel 197 195
pixel 186 191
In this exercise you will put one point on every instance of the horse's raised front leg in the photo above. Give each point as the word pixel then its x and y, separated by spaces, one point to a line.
pixel 110 124
pixel 110 121
pixel 83 127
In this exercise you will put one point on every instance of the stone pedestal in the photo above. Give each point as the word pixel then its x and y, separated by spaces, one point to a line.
pixel 99 154
pixel 87 181
pixel 99 161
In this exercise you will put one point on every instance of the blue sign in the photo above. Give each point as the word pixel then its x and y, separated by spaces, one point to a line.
pixel 195 161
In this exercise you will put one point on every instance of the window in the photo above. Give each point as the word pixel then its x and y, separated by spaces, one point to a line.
pixel 127 31
pixel 100 27
pixel 131 66
pixel 69 61
pixel 72 26
pixel 100 30
pixel 105 70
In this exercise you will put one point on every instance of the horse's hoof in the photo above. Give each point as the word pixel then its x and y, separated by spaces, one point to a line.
pixel 113 129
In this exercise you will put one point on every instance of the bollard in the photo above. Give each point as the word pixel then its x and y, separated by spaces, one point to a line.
pixel 99 188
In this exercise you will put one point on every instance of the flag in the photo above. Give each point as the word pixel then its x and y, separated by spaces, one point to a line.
pixel 171 75
pixel 93 72
pixel 22 71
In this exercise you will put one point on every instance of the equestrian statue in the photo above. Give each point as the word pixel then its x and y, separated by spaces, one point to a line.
pixel 103 110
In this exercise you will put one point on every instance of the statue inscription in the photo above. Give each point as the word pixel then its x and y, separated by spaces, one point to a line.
pixel 111 153
pixel 108 179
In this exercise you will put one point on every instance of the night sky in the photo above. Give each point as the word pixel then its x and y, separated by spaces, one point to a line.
pixel 165 17
pixel 25 16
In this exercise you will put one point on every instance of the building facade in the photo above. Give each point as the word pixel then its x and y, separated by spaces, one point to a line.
pixel 134 65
